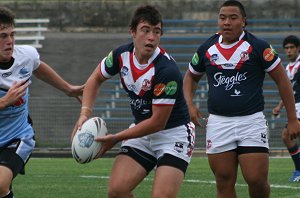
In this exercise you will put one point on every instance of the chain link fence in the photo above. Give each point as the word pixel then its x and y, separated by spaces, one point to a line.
pixel 54 119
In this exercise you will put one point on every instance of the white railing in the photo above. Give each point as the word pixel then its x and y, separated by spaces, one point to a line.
pixel 30 31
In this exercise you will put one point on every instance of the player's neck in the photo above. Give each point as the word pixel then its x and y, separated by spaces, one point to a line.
pixel 7 64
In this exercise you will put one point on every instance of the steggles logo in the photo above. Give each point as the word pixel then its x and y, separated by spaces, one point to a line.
pixel 229 82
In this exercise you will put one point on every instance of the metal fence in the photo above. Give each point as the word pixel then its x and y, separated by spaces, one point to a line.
pixel 55 117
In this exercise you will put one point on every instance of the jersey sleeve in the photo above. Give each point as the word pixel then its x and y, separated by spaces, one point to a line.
pixel 109 66
pixel 167 84
pixel 34 55
pixel 267 55
pixel 196 65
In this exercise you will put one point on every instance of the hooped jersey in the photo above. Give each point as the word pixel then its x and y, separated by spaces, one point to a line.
pixel 293 72
pixel 14 119
pixel 235 73
pixel 159 82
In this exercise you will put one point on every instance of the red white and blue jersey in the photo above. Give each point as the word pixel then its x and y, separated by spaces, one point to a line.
pixel 159 82
pixel 293 72
pixel 14 119
pixel 235 73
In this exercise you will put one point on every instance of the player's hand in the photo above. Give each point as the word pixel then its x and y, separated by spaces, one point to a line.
pixel 293 129
pixel 196 116
pixel 107 142
pixel 75 91
pixel 276 111
pixel 78 124
pixel 16 91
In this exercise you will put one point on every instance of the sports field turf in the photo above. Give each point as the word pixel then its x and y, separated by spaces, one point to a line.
pixel 64 178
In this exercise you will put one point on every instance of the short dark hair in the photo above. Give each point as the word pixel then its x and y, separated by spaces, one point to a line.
pixel 146 13
pixel 7 17
pixel 235 4
pixel 291 39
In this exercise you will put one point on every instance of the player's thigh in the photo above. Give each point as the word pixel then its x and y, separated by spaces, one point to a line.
pixel 254 166
pixel 126 173
pixel 6 176
pixel 167 181
pixel 224 165
pixel 220 134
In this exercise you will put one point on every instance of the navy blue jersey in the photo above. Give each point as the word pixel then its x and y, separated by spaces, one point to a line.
pixel 293 72
pixel 235 73
pixel 159 82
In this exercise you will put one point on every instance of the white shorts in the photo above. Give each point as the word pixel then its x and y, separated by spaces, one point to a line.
pixel 178 141
pixel 227 133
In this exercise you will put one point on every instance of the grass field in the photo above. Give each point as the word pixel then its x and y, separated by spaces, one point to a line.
pixel 64 178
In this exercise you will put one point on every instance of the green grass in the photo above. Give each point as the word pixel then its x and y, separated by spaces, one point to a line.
pixel 64 178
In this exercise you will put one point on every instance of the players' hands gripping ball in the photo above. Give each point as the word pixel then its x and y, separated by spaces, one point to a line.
pixel 84 147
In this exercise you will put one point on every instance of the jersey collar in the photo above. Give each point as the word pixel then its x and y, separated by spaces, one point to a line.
pixel 230 45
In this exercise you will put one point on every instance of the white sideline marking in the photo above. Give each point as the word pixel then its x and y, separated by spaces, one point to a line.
pixel 195 181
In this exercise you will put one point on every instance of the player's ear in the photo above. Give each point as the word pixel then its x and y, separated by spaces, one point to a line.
pixel 244 22
pixel 133 33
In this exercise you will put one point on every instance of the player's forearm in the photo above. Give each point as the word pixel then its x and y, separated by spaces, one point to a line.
pixel 48 75
pixel 59 84
pixel 144 128
pixel 288 100
pixel 280 104
pixel 189 88
pixel 157 122
pixel 90 93
pixel 285 91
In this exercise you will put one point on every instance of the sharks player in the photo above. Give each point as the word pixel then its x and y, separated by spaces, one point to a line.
pixel 235 62
pixel 162 135
pixel 291 46
pixel 17 64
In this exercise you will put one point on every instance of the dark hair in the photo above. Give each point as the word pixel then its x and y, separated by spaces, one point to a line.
pixel 7 17
pixel 146 13
pixel 291 39
pixel 236 4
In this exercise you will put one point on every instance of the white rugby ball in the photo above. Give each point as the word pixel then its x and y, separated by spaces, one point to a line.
pixel 84 148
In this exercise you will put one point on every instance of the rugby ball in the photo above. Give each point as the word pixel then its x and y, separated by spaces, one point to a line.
pixel 84 148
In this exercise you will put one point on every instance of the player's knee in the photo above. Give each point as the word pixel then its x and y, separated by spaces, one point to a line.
pixel 10 194
pixel 259 187
pixel 165 194
pixel 257 182
pixel 225 185
pixel 225 179
pixel 3 191
pixel 117 192
pixel 4 188
pixel 114 194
